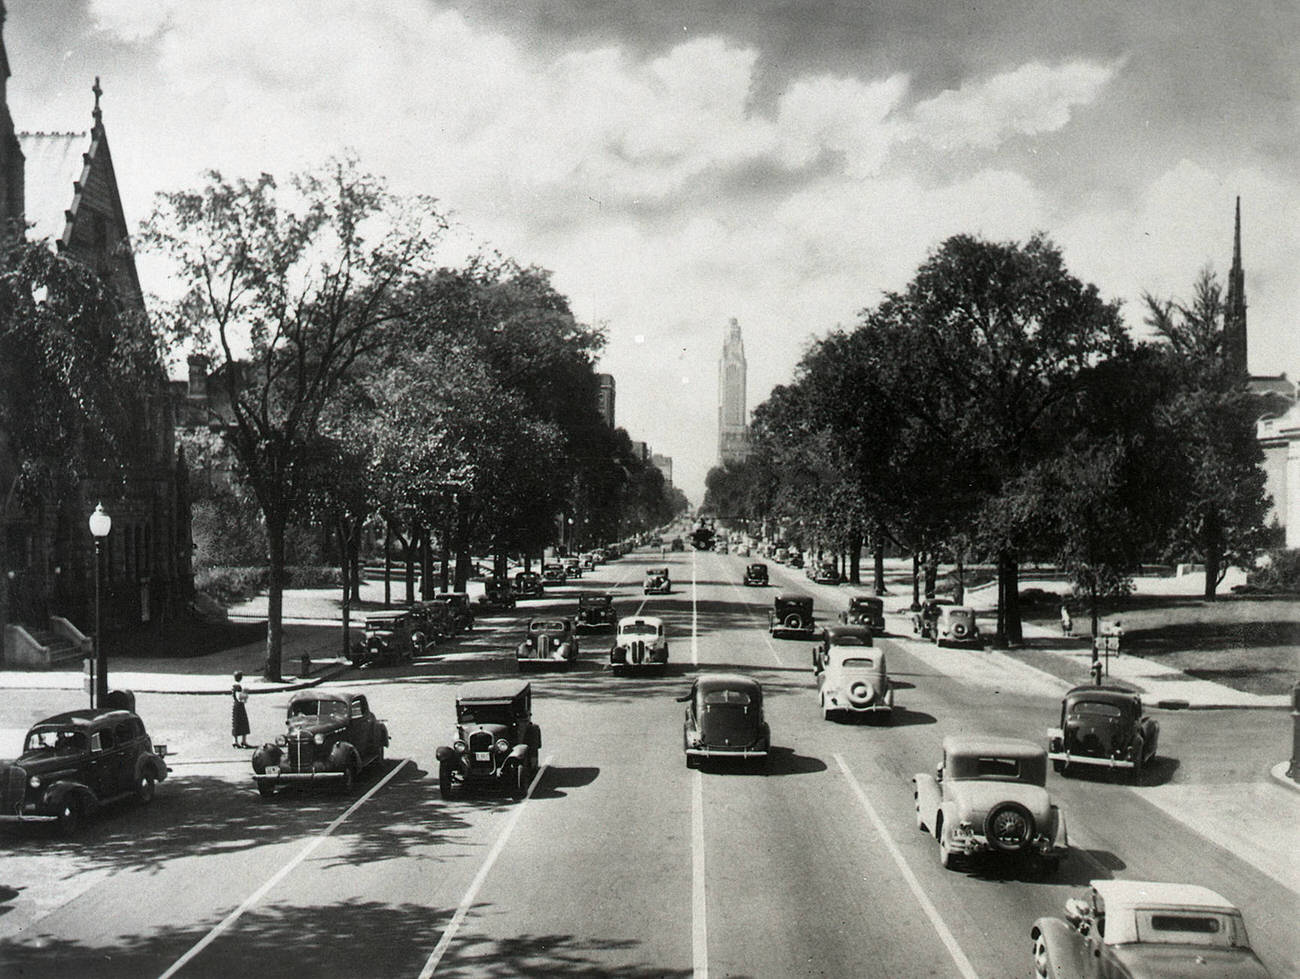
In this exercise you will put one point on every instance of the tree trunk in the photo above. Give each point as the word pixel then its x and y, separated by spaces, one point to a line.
pixel 878 567
pixel 855 558
pixel 275 526
pixel 345 552
pixel 1094 611
pixel 411 552
pixel 1213 546
pixel 931 572
pixel 444 557
pixel 426 565
pixel 354 562
pixel 916 582
pixel 959 586
pixel 388 565
pixel 1009 631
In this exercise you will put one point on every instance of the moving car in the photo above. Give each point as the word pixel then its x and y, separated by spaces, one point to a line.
pixel 75 762
pixel 392 637
pixel 572 567
pixel 925 620
pixel 331 736
pixel 459 610
pixel 595 611
pixel 1145 930
pixel 1103 726
pixel 496 741
pixel 657 582
pixel 851 674
pixel 790 614
pixel 554 572
pixel 640 642
pixel 756 574
pixel 528 584
pixel 956 627
pixel 989 795
pixel 677 545
pixel 497 593
pixel 824 574
pixel 550 641
pixel 866 610
pixel 724 719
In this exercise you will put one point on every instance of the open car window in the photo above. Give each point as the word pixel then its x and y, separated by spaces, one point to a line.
pixel 61 742
pixel 485 714
pixel 329 709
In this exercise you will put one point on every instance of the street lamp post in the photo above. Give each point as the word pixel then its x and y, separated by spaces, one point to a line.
pixel 100 524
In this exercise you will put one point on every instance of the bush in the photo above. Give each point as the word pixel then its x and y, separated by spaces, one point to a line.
pixel 1280 572
pixel 313 576
pixel 1039 596
pixel 231 585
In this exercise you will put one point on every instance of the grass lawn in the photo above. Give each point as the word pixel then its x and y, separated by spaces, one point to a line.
pixel 1247 643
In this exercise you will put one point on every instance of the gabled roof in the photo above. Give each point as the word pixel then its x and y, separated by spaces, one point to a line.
pixel 56 168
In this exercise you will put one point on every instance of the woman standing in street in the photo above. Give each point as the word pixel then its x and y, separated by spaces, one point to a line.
pixel 239 713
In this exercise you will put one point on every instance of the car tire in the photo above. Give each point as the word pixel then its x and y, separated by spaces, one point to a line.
pixel 349 780
pixel 265 789
pixel 1042 959
pixel 792 622
pixel 144 789
pixel 1060 767
pixel 947 856
pixel 1009 808
pixel 68 820
pixel 444 780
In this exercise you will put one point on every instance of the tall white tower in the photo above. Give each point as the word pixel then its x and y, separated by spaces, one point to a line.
pixel 733 415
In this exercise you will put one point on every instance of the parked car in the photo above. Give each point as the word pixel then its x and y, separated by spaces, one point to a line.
pixel 639 642
pixel 795 559
pixel 496 741
pixel 528 584
pixel 722 547
pixel 497 593
pixel 76 762
pixel 1143 930
pixel 956 627
pixel 657 582
pixel 550 642
pixel 867 610
pixel 595 611
pixel 989 795
pixel 589 561
pixel 724 719
pixel 392 637
pixel 824 574
pixel 925 620
pixel 756 575
pixel 330 736
pixel 1103 726
pixel 790 614
pixel 554 571
pixel 459 614
pixel 677 545
pixel 851 674
pixel 572 567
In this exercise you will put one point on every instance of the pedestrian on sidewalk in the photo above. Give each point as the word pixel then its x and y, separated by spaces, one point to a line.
pixel 1067 624
pixel 239 713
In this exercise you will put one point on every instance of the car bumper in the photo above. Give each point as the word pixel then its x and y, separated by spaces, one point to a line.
pixel 1072 759
pixel 974 843
pixel 298 776
pixel 706 752
pixel 26 817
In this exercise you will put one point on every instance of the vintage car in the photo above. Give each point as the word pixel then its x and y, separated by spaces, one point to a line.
pixel 657 582
pixel 1104 727
pixel 677 544
pixel 722 547
pixel 572 567
pixel 496 740
pixel 595 611
pixel 790 614
pixel 392 637
pixel 956 627
pixel 497 593
pixel 724 719
pixel 742 550
pixel 989 795
pixel 795 559
pixel 851 674
pixel 75 762
pixel 459 611
pixel 589 561
pixel 528 584
pixel 554 571
pixel 550 642
pixel 824 574
pixel 1143 930
pixel 925 619
pixel 756 574
pixel 330 736
pixel 639 642
pixel 867 610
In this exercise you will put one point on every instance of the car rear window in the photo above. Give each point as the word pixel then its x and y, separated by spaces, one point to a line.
pixel 1092 708
pixel 546 627
pixel 1189 928
pixel 997 767
pixel 859 661
pixel 733 698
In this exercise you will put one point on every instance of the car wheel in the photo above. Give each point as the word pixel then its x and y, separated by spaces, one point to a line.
pixel 144 789
pixel 1042 959
pixel 793 622
pixel 69 817
pixel 1009 827
pixel 444 780
pixel 266 789
pixel 1139 769
pixel 1059 766
pixel 349 781
pixel 692 761
pixel 519 781
pixel 947 857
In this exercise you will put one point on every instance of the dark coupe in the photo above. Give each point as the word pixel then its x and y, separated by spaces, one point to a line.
pixel 330 737
pixel 1103 727
pixel 724 719
pixel 595 612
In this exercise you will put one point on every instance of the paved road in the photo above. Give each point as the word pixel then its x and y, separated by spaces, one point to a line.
pixel 621 861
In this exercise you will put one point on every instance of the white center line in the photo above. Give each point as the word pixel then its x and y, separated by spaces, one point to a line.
pixel 958 956
pixel 279 875
pixel 695 617
pixel 699 919
pixel 470 895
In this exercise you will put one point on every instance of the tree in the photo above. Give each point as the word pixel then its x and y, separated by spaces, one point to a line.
pixel 288 286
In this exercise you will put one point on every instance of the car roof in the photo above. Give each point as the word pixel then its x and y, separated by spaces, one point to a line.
pixel 653 620
pixel 955 744
pixel 549 620
pixel 1121 895
pixel 491 690
pixel 340 696
pixel 791 596
pixel 848 635
pixel 603 596
pixel 727 681
pixel 84 717
pixel 866 598
pixel 956 608
pixel 1102 694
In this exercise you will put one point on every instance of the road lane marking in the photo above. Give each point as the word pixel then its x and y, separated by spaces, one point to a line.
pixel 471 895
pixel 767 635
pixel 695 616
pixel 699 920
pixel 279 875
pixel 958 956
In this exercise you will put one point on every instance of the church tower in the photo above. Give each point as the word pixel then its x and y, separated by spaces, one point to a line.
pixel 1234 306
pixel 733 415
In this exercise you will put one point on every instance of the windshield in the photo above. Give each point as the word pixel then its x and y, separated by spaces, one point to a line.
pixel 546 627
pixel 484 714
pixel 594 601
pixel 59 740
pixel 639 629
pixel 326 709
pixel 1092 708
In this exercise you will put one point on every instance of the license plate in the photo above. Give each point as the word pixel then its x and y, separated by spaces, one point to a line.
pixel 272 769
pixel 482 756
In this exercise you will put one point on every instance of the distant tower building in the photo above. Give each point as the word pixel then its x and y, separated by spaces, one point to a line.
pixel 665 465
pixel 1234 306
pixel 605 398
pixel 733 427
pixel 641 451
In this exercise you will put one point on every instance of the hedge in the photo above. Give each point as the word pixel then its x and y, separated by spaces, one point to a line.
pixel 229 584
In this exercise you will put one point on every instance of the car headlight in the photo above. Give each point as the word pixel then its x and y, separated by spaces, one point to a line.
pixel 319 739
pixel 459 746
pixel 34 781
pixel 502 746
pixel 281 740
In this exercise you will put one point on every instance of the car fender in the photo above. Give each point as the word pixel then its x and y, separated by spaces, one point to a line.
pixel 1064 947
pixel 383 735
pixel 521 651
pixel 927 795
pixel 1060 838
pixel 59 791
pixel 446 753
pixel 342 753
pixel 519 753
pixel 150 764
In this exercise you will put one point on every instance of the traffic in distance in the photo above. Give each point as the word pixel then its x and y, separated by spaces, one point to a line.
pixel 805 785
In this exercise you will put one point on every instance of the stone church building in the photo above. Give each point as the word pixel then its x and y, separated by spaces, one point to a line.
pixel 60 187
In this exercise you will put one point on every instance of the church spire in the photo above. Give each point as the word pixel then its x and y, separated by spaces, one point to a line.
pixel 1234 306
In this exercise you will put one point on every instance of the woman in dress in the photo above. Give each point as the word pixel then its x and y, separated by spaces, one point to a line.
pixel 239 713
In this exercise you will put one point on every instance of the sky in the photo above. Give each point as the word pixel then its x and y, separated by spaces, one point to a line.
pixel 677 163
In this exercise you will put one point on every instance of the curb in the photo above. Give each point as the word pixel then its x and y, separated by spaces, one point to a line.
pixel 326 674
pixel 1278 773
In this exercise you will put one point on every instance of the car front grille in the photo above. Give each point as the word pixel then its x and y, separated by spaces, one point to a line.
pixel 13 788
pixel 301 754
pixel 637 651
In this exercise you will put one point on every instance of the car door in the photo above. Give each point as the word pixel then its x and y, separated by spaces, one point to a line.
pixel 360 728
pixel 103 764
